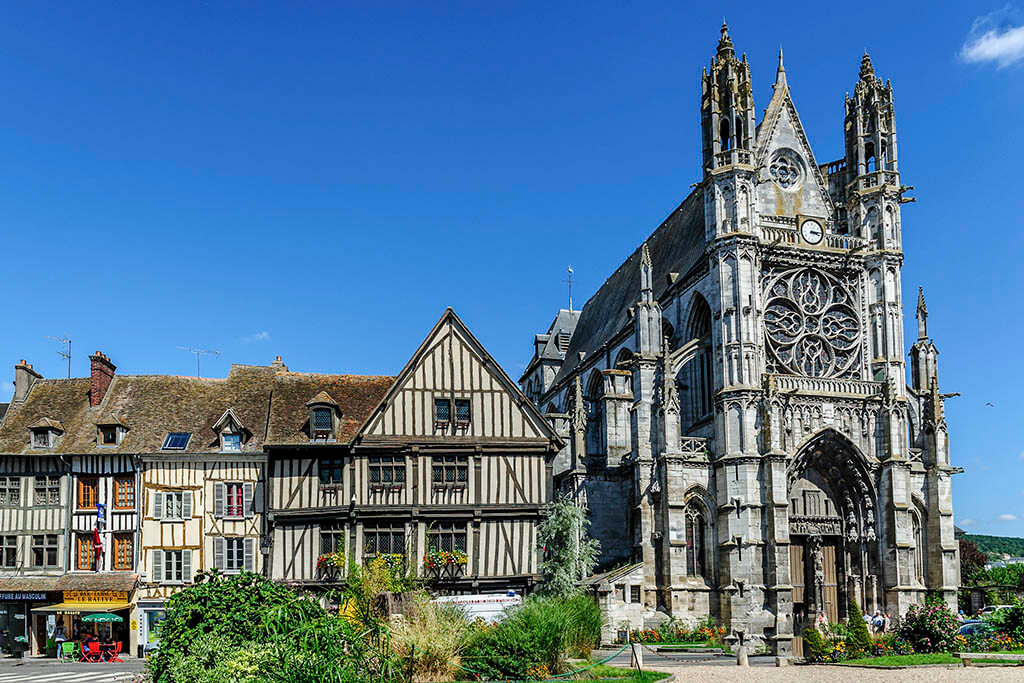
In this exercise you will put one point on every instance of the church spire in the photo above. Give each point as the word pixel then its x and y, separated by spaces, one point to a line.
pixel 726 107
pixel 780 74
pixel 922 315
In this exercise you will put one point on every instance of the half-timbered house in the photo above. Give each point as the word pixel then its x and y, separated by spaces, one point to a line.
pixel 201 501
pixel 445 467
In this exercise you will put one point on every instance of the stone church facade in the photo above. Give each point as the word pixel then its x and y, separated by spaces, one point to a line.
pixel 735 396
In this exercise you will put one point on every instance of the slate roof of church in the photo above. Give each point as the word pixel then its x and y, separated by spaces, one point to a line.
pixel 677 246
pixel 268 401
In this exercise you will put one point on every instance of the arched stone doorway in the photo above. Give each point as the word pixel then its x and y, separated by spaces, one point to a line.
pixel 832 531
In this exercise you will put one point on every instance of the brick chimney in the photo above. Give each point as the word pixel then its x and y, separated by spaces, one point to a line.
pixel 24 378
pixel 100 376
pixel 279 364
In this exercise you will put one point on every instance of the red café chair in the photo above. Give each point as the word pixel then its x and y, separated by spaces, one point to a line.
pixel 93 654
pixel 115 652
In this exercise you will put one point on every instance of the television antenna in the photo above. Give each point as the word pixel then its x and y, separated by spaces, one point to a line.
pixel 63 354
pixel 199 353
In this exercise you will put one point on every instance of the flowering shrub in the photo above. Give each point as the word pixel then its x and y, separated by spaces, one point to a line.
pixel 538 673
pixel 674 632
pixel 932 628
pixel 888 644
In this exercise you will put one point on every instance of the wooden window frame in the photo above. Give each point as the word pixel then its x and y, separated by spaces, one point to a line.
pixel 50 487
pixel 124 485
pixel 441 424
pixel 85 549
pixel 123 545
pixel 83 488
pixel 234 546
pixel 457 466
pixel 462 423
pixel 316 434
pixel 176 559
pixel 447 537
pixel 47 438
pixel 376 532
pixel 9 559
pixel 10 491
pixel 45 548
pixel 332 539
pixel 393 465
pixel 101 433
pixel 327 467
pixel 234 509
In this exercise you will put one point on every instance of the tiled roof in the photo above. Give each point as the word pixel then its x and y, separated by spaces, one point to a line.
pixel 63 400
pixel 98 581
pixel 269 402
pixel 675 247
pixel 28 584
pixel 355 395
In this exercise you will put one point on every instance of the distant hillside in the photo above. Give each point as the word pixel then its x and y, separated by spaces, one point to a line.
pixel 997 545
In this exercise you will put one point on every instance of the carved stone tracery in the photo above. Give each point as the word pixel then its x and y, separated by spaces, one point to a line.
pixel 812 327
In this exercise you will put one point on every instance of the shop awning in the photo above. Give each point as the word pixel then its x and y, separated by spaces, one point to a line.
pixel 83 607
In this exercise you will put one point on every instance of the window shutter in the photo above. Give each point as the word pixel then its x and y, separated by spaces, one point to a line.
pixel 218 499
pixel 248 557
pixel 186 505
pixel 158 505
pixel 247 499
pixel 218 552
pixel 158 566
pixel 186 566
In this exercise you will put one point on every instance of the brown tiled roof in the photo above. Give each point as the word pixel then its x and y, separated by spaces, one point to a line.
pixel 29 584
pixel 355 395
pixel 63 400
pixel 151 406
pixel 98 581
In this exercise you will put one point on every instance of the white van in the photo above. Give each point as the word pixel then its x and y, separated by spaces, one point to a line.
pixel 490 607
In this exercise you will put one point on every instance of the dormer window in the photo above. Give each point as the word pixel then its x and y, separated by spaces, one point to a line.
pixel 231 433
pixel 323 418
pixel 42 438
pixel 231 443
pixel 108 436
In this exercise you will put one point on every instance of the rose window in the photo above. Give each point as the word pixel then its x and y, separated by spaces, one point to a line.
pixel 785 171
pixel 811 325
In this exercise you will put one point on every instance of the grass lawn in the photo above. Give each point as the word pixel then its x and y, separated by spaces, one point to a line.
pixel 905 660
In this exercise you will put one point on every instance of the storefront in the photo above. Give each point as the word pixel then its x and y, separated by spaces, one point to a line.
pixel 20 632
pixel 72 615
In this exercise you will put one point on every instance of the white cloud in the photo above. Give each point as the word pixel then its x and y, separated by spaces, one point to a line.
pixel 965 522
pixel 1007 518
pixel 993 38
pixel 258 336
pixel 1021 456
pixel 8 388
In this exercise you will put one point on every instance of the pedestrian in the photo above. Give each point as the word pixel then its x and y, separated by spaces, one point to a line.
pixel 886 622
pixel 878 622
pixel 822 622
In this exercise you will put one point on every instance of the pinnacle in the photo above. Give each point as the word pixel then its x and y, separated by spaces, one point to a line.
pixel 725 47
pixel 780 75
pixel 867 69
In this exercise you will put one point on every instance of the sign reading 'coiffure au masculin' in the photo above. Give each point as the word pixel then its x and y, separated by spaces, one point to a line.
pixel 22 596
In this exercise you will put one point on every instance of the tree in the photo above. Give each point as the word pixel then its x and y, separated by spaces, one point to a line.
pixel 569 554
pixel 972 561
pixel 860 639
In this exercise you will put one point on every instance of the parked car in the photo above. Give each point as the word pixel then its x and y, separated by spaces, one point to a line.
pixel 975 627
pixel 992 609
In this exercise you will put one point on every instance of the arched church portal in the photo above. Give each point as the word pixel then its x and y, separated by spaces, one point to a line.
pixel 832 530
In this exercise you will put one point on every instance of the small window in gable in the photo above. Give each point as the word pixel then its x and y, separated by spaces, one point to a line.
pixel 231 443
pixel 462 412
pixel 232 434
pixel 442 413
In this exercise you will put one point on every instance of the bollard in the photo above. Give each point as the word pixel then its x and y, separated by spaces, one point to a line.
pixel 638 657
pixel 741 656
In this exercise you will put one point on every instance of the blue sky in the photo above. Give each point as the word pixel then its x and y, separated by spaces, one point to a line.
pixel 302 179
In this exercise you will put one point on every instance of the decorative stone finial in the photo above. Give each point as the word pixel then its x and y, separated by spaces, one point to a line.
pixel 922 315
pixel 780 75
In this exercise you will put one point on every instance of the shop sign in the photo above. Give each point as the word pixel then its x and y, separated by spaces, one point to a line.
pixel 95 596
pixel 22 596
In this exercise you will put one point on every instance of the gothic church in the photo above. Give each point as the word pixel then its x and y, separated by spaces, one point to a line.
pixel 735 397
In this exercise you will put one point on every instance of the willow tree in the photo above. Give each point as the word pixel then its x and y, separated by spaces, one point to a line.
pixel 569 554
